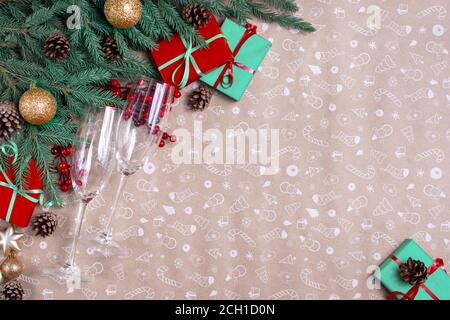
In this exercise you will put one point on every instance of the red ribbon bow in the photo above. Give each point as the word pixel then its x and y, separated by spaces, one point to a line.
pixel 412 293
pixel 227 72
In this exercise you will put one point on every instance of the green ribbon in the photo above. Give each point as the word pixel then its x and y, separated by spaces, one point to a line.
pixel 10 149
pixel 187 60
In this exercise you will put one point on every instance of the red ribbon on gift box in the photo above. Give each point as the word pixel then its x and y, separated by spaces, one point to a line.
pixel 250 30
pixel 412 293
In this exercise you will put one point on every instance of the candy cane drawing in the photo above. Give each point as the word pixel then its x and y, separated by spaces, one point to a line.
pixel 377 236
pixel 291 294
pixel 307 135
pixel 234 233
pixel 148 292
pixel 304 276
pixel 160 273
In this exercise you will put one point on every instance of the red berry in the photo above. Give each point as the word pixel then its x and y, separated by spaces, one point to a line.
pixel 65 171
pixel 62 165
pixel 68 181
pixel 55 151
pixel 156 130
pixel 162 143
pixel 115 83
pixel 69 150
pixel 79 183
pixel 173 138
pixel 64 187
pixel 165 136
pixel 177 94
pixel 141 82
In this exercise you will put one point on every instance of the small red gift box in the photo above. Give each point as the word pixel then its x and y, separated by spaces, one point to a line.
pixel 180 62
pixel 17 205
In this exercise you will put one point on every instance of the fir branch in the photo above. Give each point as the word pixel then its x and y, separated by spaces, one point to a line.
pixel 174 19
pixel 287 21
pixel 282 5
pixel 151 10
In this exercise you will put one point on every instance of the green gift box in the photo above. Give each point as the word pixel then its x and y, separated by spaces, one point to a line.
pixel 249 50
pixel 438 283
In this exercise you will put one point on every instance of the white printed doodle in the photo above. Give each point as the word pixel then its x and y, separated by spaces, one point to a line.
pixel 312 100
pixel 435 153
pixel 145 292
pixel 439 11
pixel 202 281
pixel 305 277
pixel 383 208
pixel 216 200
pixel 283 294
pixel 367 174
pixel 326 198
pixel 357 204
pixel 161 274
pixel 238 233
pixel 360 61
pixel 309 243
pixel 383 132
pixel 307 131
pixel 380 93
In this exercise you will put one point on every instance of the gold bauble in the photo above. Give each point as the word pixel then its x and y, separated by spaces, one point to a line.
pixel 11 268
pixel 37 106
pixel 123 14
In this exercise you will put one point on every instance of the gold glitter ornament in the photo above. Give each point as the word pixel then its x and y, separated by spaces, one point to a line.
pixel 11 268
pixel 37 106
pixel 123 14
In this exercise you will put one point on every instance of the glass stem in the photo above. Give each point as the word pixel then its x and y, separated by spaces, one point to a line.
pixel 80 218
pixel 114 209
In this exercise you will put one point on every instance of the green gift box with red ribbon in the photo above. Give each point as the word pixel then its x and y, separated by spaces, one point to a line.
pixel 434 286
pixel 249 51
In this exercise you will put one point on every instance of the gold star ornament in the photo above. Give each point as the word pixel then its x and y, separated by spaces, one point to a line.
pixel 9 239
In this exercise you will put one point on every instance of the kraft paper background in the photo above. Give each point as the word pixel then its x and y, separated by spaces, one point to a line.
pixel 365 136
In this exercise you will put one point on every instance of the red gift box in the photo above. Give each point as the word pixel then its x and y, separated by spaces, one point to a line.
pixel 180 63
pixel 17 205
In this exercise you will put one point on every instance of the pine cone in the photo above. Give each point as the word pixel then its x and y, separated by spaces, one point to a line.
pixel 196 15
pixel 414 272
pixel 110 50
pixel 200 98
pixel 57 47
pixel 13 290
pixel 10 119
pixel 45 224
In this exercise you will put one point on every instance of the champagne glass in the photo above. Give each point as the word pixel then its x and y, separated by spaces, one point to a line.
pixel 139 133
pixel 90 171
